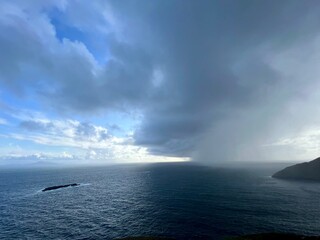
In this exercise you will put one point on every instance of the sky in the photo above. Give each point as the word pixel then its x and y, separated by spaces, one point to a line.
pixel 98 82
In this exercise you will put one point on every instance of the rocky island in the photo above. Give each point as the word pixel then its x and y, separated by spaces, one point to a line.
pixel 60 186
pixel 303 171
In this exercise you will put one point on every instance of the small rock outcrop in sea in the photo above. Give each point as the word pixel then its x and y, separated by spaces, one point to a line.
pixel 60 186
pixel 303 171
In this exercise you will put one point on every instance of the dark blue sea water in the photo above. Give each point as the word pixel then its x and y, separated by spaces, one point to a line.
pixel 174 200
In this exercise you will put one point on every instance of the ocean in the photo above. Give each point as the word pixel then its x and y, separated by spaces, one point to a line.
pixel 178 200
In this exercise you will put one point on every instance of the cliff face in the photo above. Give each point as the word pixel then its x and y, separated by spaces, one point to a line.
pixel 303 171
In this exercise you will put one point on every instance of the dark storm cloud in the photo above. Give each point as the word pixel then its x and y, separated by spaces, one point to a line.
pixel 218 91
pixel 216 74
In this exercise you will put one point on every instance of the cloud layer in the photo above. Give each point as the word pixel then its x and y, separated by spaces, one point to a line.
pixel 211 80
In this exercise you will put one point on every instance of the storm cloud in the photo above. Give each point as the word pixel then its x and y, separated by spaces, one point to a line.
pixel 211 80
pixel 231 76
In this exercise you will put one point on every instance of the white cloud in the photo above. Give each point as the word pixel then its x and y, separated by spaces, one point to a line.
pixel 91 143
pixel 66 133
pixel 303 145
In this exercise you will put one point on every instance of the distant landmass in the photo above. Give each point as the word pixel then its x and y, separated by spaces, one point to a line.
pixel 303 171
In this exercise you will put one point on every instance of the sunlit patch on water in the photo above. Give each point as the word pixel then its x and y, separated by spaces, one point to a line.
pixel 179 201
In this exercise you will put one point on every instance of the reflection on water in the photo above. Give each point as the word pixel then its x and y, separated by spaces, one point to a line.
pixel 176 200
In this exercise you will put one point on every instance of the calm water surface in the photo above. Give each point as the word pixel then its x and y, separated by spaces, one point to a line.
pixel 176 200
